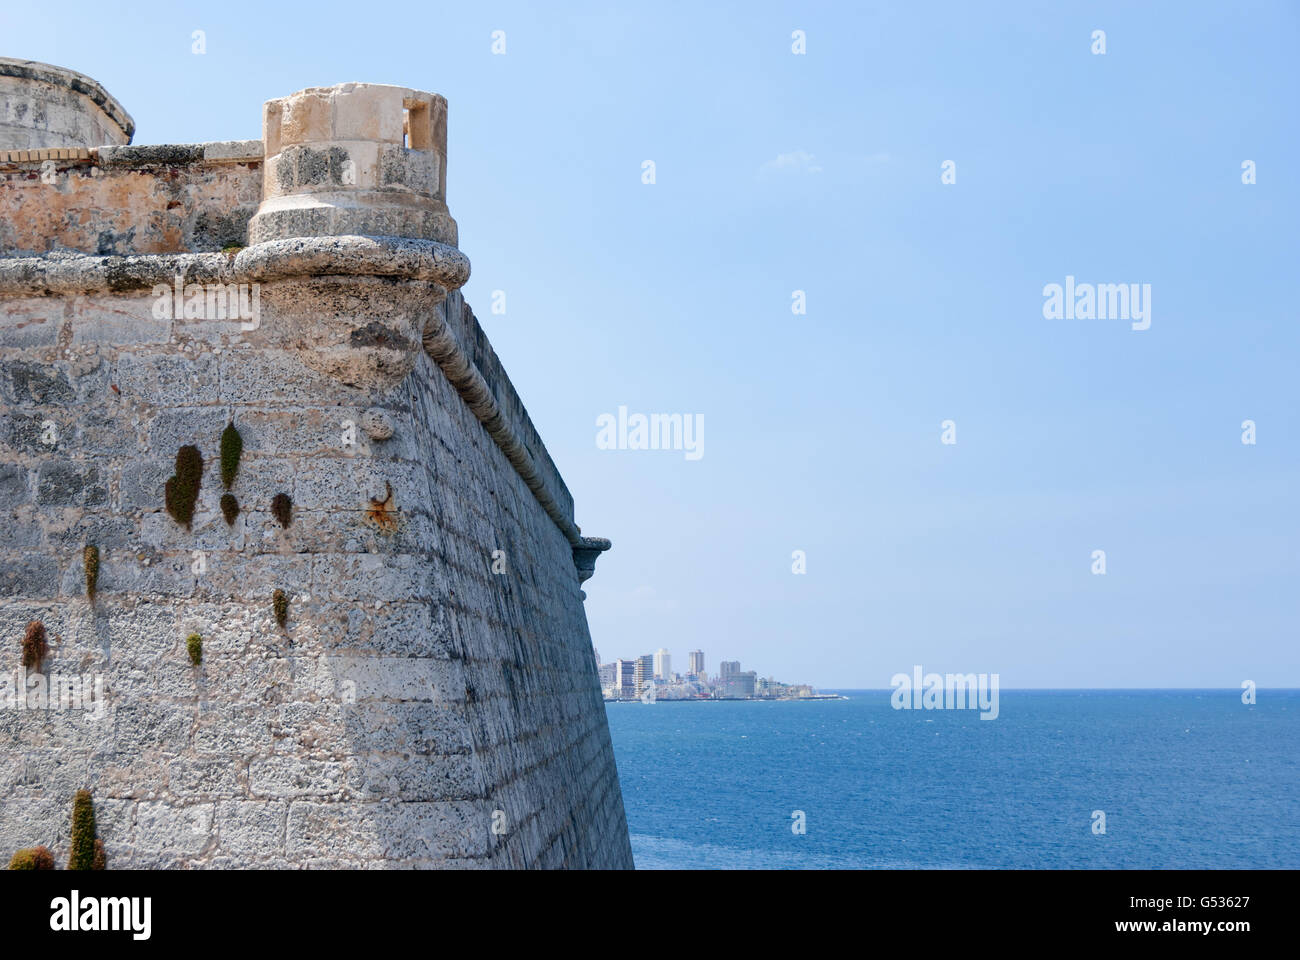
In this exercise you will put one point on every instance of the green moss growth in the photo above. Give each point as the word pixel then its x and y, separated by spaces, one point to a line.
pixel 194 647
pixel 82 854
pixel 90 559
pixel 34 645
pixel 282 509
pixel 280 601
pixel 229 508
pixel 232 446
pixel 32 858
pixel 182 489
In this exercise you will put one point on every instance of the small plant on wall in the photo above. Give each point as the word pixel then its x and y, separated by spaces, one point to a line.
pixel 280 603
pixel 229 508
pixel 87 852
pixel 32 858
pixel 194 647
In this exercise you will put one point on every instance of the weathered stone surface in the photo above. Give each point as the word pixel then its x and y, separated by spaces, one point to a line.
pixel 47 106
pixel 411 691
pixel 130 200
pixel 355 159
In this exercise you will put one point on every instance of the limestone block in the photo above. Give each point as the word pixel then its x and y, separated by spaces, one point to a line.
pixel 29 322
pixel 305 117
pixel 366 111
pixel 251 830
pixel 175 830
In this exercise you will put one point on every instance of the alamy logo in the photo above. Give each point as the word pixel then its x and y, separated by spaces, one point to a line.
pixel 952 691
pixel 102 913
pixel 1102 301
pixel 20 690
pixel 211 301
pixel 658 431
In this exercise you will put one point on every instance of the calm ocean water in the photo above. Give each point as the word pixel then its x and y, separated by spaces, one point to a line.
pixel 1187 779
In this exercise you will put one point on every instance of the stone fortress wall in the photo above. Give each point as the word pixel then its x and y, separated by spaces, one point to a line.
pixel 431 698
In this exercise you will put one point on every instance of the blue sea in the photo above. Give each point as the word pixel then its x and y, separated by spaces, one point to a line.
pixel 1186 779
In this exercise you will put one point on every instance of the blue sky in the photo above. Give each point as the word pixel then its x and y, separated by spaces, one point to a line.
pixel 821 172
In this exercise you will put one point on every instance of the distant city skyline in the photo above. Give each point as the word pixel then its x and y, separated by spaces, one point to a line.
pixel 650 677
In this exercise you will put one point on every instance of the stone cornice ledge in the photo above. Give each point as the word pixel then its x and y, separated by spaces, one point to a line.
pixel 78 273
pixel 400 257
pixel 396 257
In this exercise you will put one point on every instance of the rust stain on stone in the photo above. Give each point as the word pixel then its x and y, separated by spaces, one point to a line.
pixel 383 513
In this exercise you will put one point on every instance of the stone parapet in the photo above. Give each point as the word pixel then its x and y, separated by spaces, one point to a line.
pixel 172 198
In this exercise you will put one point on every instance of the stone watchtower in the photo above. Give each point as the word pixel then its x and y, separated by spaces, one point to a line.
pixel 274 512
pixel 357 159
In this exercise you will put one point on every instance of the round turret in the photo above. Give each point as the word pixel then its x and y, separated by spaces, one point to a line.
pixel 362 159
pixel 42 106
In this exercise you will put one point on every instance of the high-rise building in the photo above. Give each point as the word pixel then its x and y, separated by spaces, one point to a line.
pixel 728 668
pixel 625 679
pixel 663 665
pixel 645 672
pixel 696 662
pixel 739 684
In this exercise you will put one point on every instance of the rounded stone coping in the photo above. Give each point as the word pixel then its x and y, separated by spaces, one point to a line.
pixel 298 257
pixel 444 349
pixel 403 257
pixel 78 273
pixel 74 81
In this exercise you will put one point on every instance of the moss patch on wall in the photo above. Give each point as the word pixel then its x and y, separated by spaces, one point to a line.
pixel 194 647
pixel 282 509
pixel 90 559
pixel 182 489
pixel 232 446
pixel 229 508
pixel 35 646
pixel 32 858
pixel 280 602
